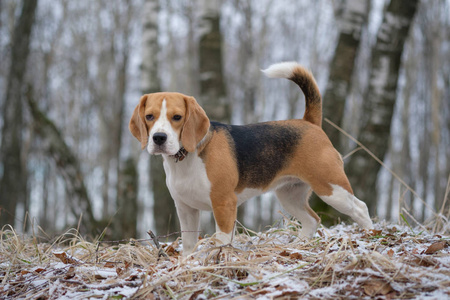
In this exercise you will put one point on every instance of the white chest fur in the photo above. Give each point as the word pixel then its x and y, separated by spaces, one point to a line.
pixel 188 182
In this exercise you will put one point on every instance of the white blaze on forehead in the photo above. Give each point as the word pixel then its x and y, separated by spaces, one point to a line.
pixel 162 122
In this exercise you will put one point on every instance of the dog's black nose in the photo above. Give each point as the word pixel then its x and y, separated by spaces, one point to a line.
pixel 159 138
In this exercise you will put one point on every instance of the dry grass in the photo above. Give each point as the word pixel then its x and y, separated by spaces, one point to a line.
pixel 342 262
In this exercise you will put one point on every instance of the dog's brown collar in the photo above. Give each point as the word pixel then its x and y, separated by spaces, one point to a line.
pixel 180 155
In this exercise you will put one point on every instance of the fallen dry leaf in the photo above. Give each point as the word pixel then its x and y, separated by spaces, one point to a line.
pixel 24 272
pixel 296 256
pixel 390 253
pixel 99 277
pixel 39 270
pixel 374 232
pixel 109 264
pixel 66 259
pixel 171 251
pixel 377 287
pixel 435 247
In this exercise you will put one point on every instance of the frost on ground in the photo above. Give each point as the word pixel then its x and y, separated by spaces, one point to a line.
pixel 341 262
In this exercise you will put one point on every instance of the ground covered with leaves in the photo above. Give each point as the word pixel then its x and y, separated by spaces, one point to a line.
pixel 341 262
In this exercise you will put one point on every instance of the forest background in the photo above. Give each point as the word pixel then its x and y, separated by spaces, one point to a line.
pixel 72 72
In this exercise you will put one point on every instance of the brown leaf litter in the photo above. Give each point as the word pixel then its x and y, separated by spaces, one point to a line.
pixel 341 262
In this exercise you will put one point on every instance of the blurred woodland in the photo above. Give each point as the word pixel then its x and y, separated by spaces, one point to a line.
pixel 72 72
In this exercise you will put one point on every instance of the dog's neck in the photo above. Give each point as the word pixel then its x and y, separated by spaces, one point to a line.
pixel 205 140
pixel 183 153
pixel 180 155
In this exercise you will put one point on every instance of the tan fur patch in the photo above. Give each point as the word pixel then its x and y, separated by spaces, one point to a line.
pixel 317 163
pixel 222 172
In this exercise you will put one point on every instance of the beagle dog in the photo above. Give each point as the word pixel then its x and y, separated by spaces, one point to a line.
pixel 215 166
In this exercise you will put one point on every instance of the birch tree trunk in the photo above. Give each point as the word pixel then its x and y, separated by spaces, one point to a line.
pixel 13 183
pixel 164 211
pixel 127 202
pixel 126 172
pixel 212 86
pixel 150 48
pixel 68 166
pixel 352 17
pixel 380 99
pixel 433 36
pixel 109 90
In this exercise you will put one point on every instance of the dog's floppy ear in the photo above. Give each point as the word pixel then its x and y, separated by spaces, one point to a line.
pixel 137 124
pixel 196 125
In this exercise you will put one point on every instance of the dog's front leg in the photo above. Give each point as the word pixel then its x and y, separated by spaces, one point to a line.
pixel 189 222
pixel 225 211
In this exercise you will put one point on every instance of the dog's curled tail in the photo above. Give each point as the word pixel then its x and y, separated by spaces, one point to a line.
pixel 305 80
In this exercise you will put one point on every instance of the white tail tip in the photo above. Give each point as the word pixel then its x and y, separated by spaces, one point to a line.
pixel 281 70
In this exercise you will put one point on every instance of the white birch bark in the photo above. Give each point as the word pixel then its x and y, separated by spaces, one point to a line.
pixel 351 17
pixel 149 67
pixel 380 99
pixel 212 86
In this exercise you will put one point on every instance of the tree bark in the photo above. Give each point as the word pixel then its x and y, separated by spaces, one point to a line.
pixel 68 166
pixel 13 183
pixel 127 204
pixel 352 17
pixel 164 211
pixel 380 99
pixel 212 86
pixel 150 82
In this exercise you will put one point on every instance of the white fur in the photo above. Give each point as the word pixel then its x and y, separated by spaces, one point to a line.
pixel 190 188
pixel 348 204
pixel 293 195
pixel 294 199
pixel 187 181
pixel 247 194
pixel 281 70
pixel 172 145
pixel 222 237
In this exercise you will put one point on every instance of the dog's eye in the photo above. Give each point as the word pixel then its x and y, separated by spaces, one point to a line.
pixel 176 118
pixel 149 117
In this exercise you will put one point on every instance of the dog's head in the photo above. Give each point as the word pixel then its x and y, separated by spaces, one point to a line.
pixel 165 122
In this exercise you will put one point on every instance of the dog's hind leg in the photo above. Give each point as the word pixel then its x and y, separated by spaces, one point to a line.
pixel 328 180
pixel 294 199
pixel 346 203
